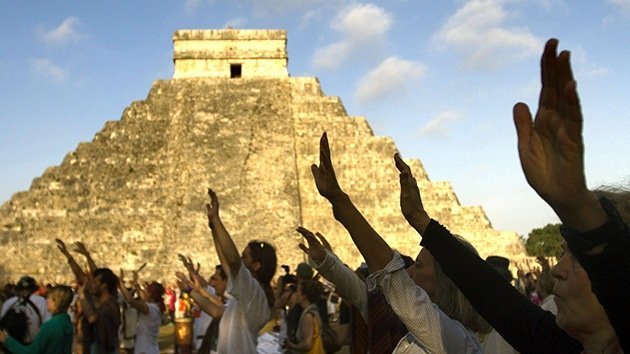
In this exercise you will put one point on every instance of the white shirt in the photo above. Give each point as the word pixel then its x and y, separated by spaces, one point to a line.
pixel 147 331
pixel 430 329
pixel 246 312
pixel 42 307
pixel 129 323
pixel 549 304
pixel 202 322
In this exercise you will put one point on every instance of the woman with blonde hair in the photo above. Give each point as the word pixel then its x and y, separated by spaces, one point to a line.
pixel 55 335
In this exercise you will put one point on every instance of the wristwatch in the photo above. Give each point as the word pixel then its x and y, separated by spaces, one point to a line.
pixel 580 242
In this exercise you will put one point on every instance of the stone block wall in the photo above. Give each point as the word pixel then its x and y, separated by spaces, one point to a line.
pixel 209 53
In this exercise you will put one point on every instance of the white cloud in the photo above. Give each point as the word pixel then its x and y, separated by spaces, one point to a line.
pixel 48 69
pixel 310 16
pixel 281 7
pixel 191 5
pixel 330 57
pixel 596 72
pixel 66 32
pixel 440 125
pixel 238 22
pixel 388 78
pixel 584 66
pixel 362 26
pixel 363 22
pixel 623 5
pixel 479 33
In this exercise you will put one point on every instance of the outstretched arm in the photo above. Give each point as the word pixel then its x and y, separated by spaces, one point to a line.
pixel 76 269
pixel 209 303
pixel 551 150
pixel 135 303
pixel 526 327
pixel 226 249
pixel 374 249
pixel 81 249
pixel 347 283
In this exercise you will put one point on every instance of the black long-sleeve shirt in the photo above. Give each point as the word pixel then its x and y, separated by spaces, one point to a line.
pixel 608 271
pixel 527 327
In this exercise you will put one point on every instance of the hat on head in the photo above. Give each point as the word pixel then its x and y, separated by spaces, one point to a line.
pixel 27 283
pixel 502 265
pixel 304 271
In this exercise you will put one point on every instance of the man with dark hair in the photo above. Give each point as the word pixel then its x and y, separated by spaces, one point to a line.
pixel 100 308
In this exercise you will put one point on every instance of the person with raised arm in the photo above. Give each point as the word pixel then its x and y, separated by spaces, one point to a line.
pixel 431 329
pixel 551 154
pixel 150 306
pixel 81 339
pixel 551 151
pixel 99 300
pixel 249 294
pixel 209 298
pixel 378 330
pixel 80 248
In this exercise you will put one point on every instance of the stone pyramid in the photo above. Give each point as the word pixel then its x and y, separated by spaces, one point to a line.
pixel 234 120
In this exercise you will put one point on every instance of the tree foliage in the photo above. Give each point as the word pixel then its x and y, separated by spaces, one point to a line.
pixel 545 241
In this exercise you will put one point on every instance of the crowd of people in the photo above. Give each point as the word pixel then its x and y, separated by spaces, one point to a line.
pixel 446 300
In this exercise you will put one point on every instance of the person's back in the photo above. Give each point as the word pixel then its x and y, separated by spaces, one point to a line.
pixel 147 330
pixel 33 307
pixel 55 335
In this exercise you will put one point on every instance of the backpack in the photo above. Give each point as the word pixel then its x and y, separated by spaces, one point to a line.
pixel 18 319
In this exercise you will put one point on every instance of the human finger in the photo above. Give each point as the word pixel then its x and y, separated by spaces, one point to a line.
pixel 549 77
pixel 523 124
pixel 324 241
pixel 400 164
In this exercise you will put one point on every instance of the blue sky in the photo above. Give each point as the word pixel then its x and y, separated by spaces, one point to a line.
pixel 439 77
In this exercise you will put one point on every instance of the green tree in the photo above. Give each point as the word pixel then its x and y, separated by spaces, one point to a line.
pixel 546 241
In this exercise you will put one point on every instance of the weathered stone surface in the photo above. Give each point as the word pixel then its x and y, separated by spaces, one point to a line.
pixel 136 192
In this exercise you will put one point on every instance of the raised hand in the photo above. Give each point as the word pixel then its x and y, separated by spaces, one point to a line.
pixel 324 242
pixel 62 247
pixel 198 283
pixel 324 174
pixel 550 147
pixel 315 250
pixel 79 247
pixel 183 282
pixel 410 200
pixel 212 207
pixel 186 262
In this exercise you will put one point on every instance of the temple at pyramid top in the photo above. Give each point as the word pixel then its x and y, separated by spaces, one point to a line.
pixel 230 53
